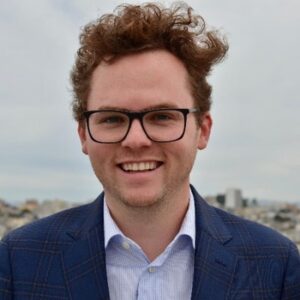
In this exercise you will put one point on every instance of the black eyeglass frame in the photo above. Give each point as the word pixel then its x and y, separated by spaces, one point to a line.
pixel 132 115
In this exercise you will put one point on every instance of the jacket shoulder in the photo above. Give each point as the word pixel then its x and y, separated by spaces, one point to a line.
pixel 243 236
pixel 250 236
pixel 54 228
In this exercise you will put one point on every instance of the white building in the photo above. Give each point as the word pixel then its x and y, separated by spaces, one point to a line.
pixel 233 198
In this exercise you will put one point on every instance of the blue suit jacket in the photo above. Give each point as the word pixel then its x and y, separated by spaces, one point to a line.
pixel 63 257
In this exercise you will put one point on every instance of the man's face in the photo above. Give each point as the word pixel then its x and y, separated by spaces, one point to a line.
pixel 137 82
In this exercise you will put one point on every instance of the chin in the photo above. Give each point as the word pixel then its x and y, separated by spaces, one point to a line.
pixel 141 201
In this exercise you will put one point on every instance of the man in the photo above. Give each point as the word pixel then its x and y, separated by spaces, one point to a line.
pixel 142 103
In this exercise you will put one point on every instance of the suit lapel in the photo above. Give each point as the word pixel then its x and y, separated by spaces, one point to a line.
pixel 84 262
pixel 215 265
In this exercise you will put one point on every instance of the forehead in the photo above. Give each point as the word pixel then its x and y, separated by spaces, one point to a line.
pixel 140 80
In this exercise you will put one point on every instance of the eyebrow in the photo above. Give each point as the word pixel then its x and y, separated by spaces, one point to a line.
pixel 151 107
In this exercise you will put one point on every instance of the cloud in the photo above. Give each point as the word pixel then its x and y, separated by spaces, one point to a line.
pixel 255 142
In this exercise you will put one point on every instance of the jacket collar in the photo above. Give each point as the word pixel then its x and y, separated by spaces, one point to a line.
pixel 214 265
pixel 208 220
pixel 84 262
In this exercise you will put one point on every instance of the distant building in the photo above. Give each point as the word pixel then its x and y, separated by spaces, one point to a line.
pixel 30 205
pixel 233 198
pixel 221 199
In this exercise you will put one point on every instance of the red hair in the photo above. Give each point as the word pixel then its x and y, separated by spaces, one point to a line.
pixel 135 28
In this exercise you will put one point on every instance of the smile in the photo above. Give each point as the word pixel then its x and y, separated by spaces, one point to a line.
pixel 140 166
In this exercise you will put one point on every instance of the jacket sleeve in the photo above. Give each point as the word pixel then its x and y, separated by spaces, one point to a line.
pixel 291 287
pixel 5 273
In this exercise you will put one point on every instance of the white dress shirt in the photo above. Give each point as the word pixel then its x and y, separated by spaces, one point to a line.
pixel 132 276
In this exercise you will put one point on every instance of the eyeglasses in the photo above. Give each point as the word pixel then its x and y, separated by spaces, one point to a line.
pixel 160 125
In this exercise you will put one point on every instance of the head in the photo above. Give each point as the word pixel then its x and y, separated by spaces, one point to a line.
pixel 137 28
pixel 139 59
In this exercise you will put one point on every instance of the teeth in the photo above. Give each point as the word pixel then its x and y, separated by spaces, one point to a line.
pixel 141 166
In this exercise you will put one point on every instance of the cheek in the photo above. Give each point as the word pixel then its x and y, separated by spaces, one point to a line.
pixel 181 151
pixel 100 162
pixel 101 154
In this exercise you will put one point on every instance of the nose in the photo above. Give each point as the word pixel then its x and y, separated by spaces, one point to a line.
pixel 136 136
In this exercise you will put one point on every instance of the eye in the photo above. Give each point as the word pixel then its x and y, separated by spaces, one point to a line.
pixel 112 120
pixel 161 117
pixel 109 118
pixel 164 116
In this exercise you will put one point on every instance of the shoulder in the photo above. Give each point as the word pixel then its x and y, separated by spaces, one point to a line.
pixel 55 228
pixel 250 237
pixel 241 235
pixel 264 251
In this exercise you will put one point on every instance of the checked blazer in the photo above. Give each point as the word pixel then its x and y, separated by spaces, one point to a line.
pixel 63 257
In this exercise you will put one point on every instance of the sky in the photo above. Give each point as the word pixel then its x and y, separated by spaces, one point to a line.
pixel 255 142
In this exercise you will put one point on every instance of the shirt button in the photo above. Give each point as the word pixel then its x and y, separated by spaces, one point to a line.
pixel 151 269
pixel 126 245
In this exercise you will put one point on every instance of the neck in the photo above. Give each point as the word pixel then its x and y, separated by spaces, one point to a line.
pixel 152 228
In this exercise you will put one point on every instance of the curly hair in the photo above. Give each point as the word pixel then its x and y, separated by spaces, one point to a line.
pixel 136 28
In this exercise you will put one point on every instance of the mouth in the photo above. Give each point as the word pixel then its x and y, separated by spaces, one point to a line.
pixel 145 166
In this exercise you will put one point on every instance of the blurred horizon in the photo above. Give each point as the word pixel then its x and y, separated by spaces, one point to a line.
pixel 255 142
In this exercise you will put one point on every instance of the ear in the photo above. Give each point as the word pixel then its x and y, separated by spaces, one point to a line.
pixel 81 129
pixel 205 128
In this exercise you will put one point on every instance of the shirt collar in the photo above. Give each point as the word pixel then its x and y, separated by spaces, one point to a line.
pixel 111 229
pixel 187 228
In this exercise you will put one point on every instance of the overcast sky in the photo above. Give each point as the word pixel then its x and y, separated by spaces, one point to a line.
pixel 255 144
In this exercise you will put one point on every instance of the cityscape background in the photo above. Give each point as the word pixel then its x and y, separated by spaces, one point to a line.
pixel 281 216
pixel 255 143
